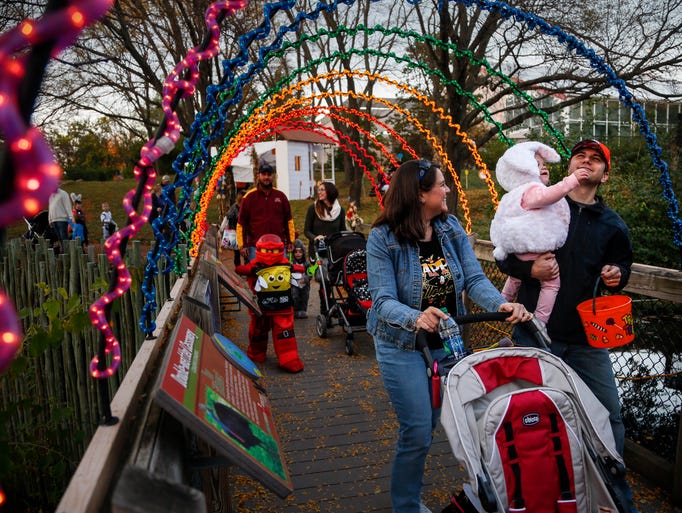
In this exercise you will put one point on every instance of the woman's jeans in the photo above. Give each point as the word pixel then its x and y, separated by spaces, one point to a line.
pixel 405 379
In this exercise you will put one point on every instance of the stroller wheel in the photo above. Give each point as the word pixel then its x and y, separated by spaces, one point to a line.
pixel 321 326
pixel 350 342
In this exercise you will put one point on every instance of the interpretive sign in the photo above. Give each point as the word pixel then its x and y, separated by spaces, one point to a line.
pixel 237 285
pixel 223 403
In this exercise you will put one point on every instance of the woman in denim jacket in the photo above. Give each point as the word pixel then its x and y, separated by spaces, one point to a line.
pixel 419 262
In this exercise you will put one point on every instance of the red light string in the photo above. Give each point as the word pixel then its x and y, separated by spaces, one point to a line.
pixel 179 84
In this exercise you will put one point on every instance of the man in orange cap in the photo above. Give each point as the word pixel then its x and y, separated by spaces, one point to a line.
pixel 269 275
pixel 597 251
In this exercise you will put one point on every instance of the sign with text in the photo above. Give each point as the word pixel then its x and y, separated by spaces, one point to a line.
pixel 223 404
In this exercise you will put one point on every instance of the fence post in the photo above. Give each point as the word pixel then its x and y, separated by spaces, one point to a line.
pixel 677 470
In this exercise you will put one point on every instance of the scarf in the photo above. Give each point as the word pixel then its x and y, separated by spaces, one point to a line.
pixel 333 214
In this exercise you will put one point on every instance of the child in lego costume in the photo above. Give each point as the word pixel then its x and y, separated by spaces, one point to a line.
pixel 531 218
pixel 269 275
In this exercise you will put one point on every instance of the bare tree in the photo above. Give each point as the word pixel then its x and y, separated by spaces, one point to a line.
pixel 345 49
pixel 642 42
pixel 117 68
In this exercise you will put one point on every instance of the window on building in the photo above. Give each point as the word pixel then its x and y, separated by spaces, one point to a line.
pixel 297 163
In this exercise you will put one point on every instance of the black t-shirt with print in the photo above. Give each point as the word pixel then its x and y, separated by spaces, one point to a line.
pixel 438 287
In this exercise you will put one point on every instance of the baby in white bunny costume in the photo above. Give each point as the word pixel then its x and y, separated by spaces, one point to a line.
pixel 531 218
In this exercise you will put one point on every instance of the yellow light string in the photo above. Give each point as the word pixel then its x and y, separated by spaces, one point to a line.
pixel 261 132
pixel 423 99
pixel 444 159
pixel 265 113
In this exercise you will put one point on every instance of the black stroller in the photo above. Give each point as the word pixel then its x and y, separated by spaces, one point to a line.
pixel 344 284
pixel 39 226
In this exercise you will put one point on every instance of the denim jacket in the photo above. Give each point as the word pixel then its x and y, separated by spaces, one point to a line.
pixel 395 280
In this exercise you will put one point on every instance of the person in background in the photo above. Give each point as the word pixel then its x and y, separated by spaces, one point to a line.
pixel 230 222
pixel 597 249
pixel 419 265
pixel 79 218
pixel 324 217
pixel 264 209
pixel 59 212
pixel 353 219
pixel 157 203
pixel 300 281
pixel 109 226
pixel 166 181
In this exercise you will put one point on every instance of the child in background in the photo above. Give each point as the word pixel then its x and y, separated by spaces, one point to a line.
pixel 532 218
pixel 76 231
pixel 300 281
pixel 109 226
pixel 79 218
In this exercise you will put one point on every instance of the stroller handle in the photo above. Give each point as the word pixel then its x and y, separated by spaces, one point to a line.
pixel 480 317
pixel 320 246
pixel 530 326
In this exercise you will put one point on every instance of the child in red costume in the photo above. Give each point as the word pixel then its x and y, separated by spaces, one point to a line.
pixel 269 275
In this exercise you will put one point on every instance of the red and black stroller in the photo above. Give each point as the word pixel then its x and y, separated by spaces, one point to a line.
pixel 530 434
pixel 344 284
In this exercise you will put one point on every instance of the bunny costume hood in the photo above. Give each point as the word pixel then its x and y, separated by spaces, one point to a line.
pixel 518 165
pixel 516 229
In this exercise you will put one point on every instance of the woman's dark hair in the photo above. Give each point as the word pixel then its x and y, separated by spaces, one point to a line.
pixel 402 207
pixel 321 209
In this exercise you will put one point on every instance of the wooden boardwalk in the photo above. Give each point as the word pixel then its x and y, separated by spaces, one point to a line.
pixel 337 428
pixel 338 432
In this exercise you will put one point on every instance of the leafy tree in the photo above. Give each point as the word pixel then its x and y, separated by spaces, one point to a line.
pixel 94 151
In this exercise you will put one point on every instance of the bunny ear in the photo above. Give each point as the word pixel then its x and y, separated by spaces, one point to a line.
pixel 548 153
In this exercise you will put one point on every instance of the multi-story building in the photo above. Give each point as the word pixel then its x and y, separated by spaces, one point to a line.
pixel 604 117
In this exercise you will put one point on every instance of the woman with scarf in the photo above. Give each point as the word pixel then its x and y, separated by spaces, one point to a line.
pixel 324 217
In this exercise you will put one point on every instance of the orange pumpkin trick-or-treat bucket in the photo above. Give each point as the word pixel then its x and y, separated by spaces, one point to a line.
pixel 607 320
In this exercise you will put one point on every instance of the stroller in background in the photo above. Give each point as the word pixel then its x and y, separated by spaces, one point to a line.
pixel 530 434
pixel 348 299
pixel 39 226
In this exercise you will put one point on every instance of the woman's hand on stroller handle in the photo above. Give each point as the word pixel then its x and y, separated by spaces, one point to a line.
pixel 516 312
pixel 429 318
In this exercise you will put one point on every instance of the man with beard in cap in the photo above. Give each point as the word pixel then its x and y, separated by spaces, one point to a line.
pixel 264 210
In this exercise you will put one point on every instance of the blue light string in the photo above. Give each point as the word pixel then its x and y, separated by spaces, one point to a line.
pixel 184 178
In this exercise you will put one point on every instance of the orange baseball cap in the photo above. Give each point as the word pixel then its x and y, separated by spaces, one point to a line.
pixel 593 144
